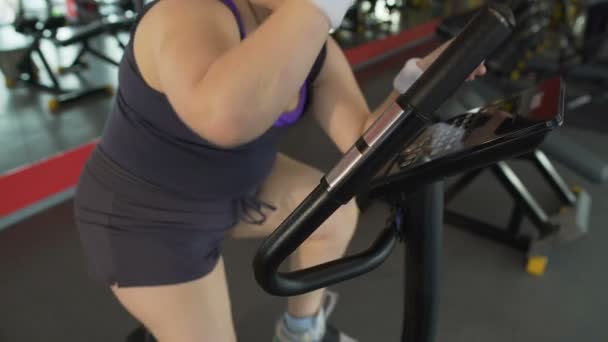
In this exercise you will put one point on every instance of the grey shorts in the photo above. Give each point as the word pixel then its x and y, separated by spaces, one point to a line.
pixel 134 233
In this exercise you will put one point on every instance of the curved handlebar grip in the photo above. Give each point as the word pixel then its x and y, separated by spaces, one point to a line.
pixel 309 215
pixel 479 38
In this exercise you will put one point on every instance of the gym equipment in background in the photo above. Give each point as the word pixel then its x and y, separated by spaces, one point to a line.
pixel 111 25
pixel 509 71
pixel 575 60
pixel 20 47
pixel 568 152
pixel 30 31
pixel 82 12
pixel 372 18
pixel 552 37
pixel 92 19
pixel 596 33
pixel 550 228
pixel 409 178
pixel 533 22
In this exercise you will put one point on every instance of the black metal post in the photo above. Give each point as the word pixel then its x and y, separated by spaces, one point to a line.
pixel 489 231
pixel 139 5
pixel 424 224
pixel 555 180
pixel 517 217
pixel 100 55
pixel 78 60
pixel 56 86
pixel 122 45
pixel 522 196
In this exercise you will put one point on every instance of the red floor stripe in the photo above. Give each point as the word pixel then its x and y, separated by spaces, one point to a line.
pixel 30 184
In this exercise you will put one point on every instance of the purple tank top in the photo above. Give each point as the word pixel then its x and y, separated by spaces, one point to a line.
pixel 146 137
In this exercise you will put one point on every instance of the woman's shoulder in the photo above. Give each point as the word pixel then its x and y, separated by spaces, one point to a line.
pixel 184 25
pixel 186 17
pixel 205 22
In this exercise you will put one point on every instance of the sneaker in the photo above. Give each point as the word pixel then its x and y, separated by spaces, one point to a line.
pixel 322 332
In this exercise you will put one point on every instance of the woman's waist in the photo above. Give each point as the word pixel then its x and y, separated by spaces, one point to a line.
pixel 172 159
pixel 188 173
pixel 121 181
pixel 118 200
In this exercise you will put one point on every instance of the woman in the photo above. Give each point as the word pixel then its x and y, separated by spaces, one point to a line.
pixel 189 156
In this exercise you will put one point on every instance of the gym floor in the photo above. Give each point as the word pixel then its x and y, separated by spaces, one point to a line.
pixel 485 293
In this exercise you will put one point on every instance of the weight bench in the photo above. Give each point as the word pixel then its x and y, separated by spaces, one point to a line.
pixel 552 229
pixel 17 63
pixel 577 158
pixel 111 25
pixel 557 146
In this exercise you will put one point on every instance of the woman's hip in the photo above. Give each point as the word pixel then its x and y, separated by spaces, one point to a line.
pixel 135 234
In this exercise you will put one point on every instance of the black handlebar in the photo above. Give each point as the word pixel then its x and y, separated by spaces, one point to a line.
pixel 290 235
pixel 395 128
pixel 478 39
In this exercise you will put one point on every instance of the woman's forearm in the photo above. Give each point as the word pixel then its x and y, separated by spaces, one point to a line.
pixel 371 118
pixel 403 81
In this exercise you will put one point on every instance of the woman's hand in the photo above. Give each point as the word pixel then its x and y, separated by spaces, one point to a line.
pixel 425 62
pixel 416 66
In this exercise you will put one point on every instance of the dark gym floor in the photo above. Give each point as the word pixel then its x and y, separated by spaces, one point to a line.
pixel 485 294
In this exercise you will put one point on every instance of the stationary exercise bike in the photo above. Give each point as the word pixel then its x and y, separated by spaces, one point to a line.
pixel 401 159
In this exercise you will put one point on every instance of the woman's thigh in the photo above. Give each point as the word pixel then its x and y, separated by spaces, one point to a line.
pixel 287 186
pixel 195 311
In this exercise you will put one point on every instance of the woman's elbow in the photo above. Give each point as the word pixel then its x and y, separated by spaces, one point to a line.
pixel 224 136
pixel 222 130
pixel 211 122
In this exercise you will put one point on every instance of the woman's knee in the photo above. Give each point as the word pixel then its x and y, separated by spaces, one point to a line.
pixel 341 226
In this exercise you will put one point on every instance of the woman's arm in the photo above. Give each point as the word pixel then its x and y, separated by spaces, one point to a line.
pixel 339 105
pixel 226 90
